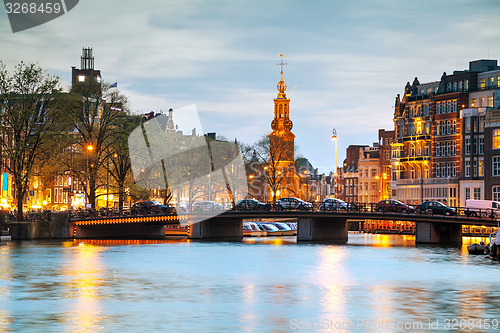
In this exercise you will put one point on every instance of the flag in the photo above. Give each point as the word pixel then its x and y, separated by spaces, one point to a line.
pixel 114 85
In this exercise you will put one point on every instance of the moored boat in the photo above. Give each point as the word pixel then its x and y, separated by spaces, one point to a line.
pixel 476 248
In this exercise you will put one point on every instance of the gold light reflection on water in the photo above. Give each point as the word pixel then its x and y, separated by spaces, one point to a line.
pixel 472 303
pixel 84 271
pixel 331 274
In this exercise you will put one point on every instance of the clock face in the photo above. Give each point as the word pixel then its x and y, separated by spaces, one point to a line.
pixel 274 125
pixel 287 124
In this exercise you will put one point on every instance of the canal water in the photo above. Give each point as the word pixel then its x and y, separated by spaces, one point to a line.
pixel 375 283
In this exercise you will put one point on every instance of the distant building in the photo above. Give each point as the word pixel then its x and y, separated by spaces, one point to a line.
pixel 439 147
pixel 87 73
pixel 282 146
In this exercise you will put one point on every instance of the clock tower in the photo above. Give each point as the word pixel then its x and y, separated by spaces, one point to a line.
pixel 282 140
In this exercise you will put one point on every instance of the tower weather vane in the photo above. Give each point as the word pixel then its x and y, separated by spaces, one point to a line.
pixel 282 63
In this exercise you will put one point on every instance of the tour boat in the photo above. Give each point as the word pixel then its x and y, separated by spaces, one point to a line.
pixel 252 229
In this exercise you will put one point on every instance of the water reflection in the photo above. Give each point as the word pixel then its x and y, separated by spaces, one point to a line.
pixel 257 285
pixel 85 278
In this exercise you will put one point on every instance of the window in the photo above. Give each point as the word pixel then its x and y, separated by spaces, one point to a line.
pixel 490 101
pixel 438 149
pixel 426 109
pixel 454 126
pixel 438 170
pixel 448 148
pixel 481 102
pixel 81 78
pixel 454 169
pixel 481 168
pixel 374 172
pixel 481 146
pixel 467 146
pixel 467 125
pixel 496 166
pixel 491 82
pixel 467 193
pixel 473 103
pixel 482 84
pixel 481 124
pixel 496 139
pixel 454 148
pixel 477 193
pixel 438 108
pixel 467 168
pixel 474 168
pixel 496 192
pixel 466 85
pixel 455 105
pixel 448 127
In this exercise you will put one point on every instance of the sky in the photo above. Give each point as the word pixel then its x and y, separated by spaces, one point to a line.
pixel 346 60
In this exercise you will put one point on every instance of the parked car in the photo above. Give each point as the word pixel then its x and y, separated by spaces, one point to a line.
pixel 392 205
pixel 207 206
pixel 435 207
pixel 482 208
pixel 291 203
pixel 151 207
pixel 333 204
pixel 251 204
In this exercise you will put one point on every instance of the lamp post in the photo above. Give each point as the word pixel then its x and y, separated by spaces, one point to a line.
pixel 382 190
pixel 306 174
pixel 334 138
pixel 89 150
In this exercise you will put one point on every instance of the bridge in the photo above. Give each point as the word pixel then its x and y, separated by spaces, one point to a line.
pixel 314 225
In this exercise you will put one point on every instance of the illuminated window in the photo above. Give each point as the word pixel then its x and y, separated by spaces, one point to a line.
pixel 477 193
pixel 81 78
pixel 481 168
pixel 491 82
pixel 496 193
pixel 473 103
pixel 467 125
pixel 496 138
pixel 482 84
pixel 496 165
pixel 490 101
pixel 466 85
pixel 467 146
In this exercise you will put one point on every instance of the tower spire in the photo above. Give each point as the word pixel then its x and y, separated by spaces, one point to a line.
pixel 281 85
pixel 282 64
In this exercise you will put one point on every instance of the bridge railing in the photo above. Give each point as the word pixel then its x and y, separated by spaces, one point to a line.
pixel 355 207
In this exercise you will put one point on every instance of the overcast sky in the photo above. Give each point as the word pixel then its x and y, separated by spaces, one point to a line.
pixel 346 59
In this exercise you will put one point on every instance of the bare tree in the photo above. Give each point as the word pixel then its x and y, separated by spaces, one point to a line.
pixel 97 109
pixel 117 159
pixel 31 107
pixel 275 154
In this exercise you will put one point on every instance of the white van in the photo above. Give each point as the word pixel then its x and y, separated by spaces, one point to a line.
pixel 482 208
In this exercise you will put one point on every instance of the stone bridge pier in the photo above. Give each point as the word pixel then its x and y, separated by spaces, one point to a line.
pixel 322 229
pixel 438 233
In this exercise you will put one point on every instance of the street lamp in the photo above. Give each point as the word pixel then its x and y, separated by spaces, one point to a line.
pixel 89 150
pixel 334 138
pixel 382 190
